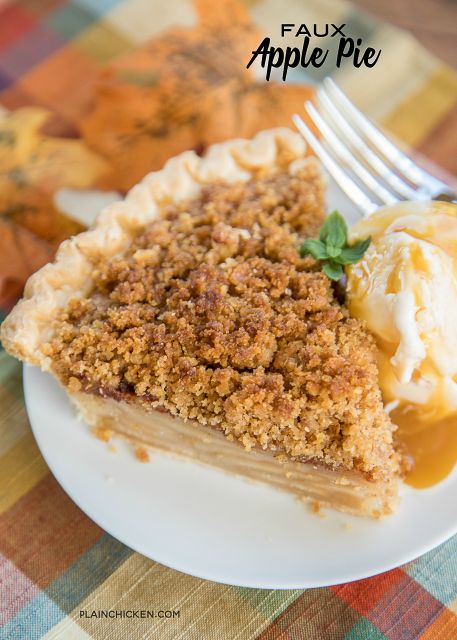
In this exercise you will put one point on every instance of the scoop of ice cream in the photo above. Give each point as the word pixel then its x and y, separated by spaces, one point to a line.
pixel 405 288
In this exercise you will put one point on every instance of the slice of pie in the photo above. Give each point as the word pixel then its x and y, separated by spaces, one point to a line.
pixel 186 321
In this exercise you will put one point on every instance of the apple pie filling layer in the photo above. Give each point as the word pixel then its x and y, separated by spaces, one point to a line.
pixel 212 315
pixel 344 490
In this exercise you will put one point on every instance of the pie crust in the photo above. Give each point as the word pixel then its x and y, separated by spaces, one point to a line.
pixel 70 277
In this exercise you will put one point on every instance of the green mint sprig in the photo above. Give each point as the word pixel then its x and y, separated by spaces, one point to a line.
pixel 332 247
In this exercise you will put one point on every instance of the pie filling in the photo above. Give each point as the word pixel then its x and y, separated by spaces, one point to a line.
pixel 212 315
pixel 345 490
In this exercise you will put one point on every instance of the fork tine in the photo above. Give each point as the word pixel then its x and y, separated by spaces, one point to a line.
pixel 347 185
pixel 399 159
pixel 345 155
pixel 357 142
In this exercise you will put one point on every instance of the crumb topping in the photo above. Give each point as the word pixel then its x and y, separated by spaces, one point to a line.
pixel 142 454
pixel 213 316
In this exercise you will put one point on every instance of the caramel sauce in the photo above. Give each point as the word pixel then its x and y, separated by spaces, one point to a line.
pixel 393 284
pixel 431 445
pixel 418 261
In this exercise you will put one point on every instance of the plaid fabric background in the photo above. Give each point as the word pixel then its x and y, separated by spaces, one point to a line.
pixel 54 561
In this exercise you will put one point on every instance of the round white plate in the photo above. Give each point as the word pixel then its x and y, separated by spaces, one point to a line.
pixel 220 527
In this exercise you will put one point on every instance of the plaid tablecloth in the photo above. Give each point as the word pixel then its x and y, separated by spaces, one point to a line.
pixel 54 561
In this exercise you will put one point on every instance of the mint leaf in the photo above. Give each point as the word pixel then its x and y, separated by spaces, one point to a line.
pixel 332 248
pixel 334 231
pixel 333 252
pixel 333 271
pixel 352 254
pixel 314 247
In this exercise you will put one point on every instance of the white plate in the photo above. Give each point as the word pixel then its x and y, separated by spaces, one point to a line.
pixel 220 527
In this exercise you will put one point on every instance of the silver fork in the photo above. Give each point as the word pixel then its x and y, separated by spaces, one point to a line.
pixel 367 166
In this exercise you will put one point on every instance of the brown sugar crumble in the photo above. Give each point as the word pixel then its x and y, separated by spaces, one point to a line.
pixel 315 507
pixel 142 454
pixel 102 433
pixel 213 316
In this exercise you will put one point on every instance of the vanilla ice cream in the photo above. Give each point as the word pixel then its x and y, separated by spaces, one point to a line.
pixel 405 288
